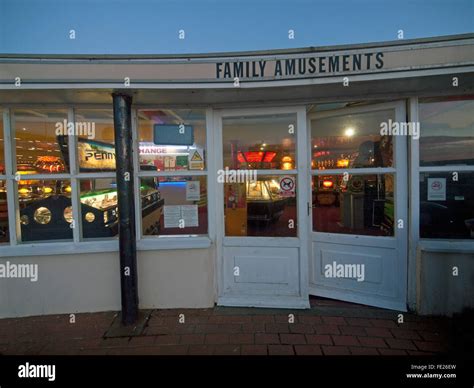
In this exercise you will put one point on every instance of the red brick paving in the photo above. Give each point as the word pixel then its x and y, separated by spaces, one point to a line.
pixel 230 332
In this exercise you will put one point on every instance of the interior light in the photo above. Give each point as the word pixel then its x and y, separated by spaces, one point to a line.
pixel 349 132
pixel 343 163
pixel 328 184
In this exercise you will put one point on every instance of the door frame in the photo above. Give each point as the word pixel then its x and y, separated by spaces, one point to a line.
pixel 302 300
pixel 400 239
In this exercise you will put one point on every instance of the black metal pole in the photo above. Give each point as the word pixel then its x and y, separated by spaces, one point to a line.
pixel 126 207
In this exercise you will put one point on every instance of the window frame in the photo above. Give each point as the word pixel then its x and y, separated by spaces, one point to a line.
pixel 15 248
pixel 156 242
pixel 429 244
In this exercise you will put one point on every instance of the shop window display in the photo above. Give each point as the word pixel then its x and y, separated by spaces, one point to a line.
pixel 39 147
pixel 44 210
pixel 96 140
pixel 99 208
pixel 174 205
pixel 172 140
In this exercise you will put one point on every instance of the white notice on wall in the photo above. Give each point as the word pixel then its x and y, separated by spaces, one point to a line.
pixel 436 189
pixel 172 215
pixel 189 213
pixel 193 191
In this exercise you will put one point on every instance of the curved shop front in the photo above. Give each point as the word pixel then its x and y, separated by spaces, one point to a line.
pixel 259 178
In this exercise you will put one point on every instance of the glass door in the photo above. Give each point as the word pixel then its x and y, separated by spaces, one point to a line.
pixel 262 225
pixel 359 205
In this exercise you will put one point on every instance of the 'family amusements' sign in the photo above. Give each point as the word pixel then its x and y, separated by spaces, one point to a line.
pixel 326 64
pixel 305 66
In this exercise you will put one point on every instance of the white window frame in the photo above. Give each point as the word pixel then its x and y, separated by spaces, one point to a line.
pixel 176 241
pixel 14 248
pixel 429 244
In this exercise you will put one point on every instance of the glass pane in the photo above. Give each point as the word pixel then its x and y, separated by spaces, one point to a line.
pixel 41 148
pixel 4 233
pixel 2 145
pixel 99 208
pixel 180 141
pixel 174 206
pixel 96 140
pixel 351 141
pixel 45 210
pixel 260 142
pixel 447 131
pixel 265 207
pixel 364 204
pixel 447 205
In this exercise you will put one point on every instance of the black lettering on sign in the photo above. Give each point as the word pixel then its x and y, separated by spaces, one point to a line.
pixel 343 63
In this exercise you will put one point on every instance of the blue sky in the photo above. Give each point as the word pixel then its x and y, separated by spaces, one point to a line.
pixel 151 26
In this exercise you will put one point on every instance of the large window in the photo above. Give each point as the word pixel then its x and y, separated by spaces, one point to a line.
pixel 447 167
pixel 173 177
pixel 345 200
pixel 64 181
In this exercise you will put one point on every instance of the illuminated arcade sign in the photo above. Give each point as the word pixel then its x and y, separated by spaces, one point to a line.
pixel 95 156
pixel 148 148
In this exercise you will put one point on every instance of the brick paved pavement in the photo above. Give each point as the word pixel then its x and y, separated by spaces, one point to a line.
pixel 333 329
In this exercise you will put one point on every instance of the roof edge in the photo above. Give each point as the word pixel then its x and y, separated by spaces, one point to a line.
pixel 302 50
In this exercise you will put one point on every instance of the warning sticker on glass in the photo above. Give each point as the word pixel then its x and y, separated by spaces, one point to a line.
pixel 193 192
pixel 196 159
pixel 436 189
pixel 287 186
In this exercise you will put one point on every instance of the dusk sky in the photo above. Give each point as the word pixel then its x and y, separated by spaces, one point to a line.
pixel 152 27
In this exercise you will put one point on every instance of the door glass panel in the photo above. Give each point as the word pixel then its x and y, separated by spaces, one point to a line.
pixel 362 204
pixel 352 141
pixel 265 207
pixel 260 142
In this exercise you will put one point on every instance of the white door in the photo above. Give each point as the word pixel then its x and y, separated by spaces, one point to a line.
pixel 359 205
pixel 262 223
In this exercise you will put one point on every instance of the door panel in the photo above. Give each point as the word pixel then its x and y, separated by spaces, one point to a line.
pixel 262 239
pixel 262 270
pixel 359 206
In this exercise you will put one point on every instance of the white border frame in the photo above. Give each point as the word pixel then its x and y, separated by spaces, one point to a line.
pixel 400 170
pixel 301 301
pixel 14 248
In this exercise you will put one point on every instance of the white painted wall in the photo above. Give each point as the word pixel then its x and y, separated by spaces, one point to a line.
pixel 90 282
pixel 438 291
